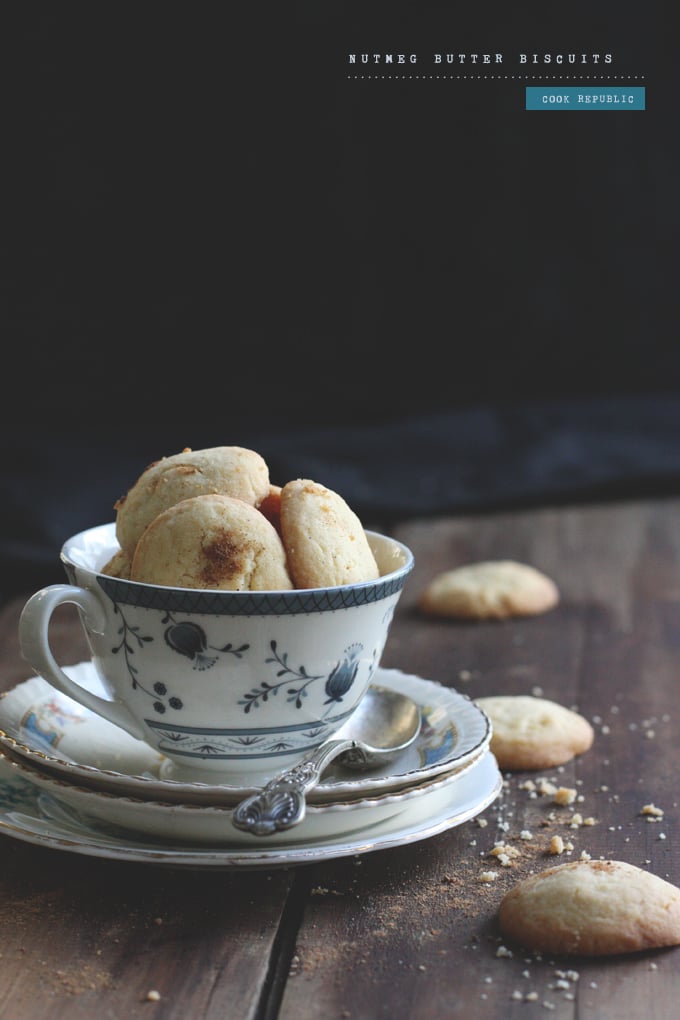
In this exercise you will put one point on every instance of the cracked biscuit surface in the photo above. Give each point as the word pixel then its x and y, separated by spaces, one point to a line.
pixel 212 541
pixel 592 908
pixel 534 733
pixel 118 565
pixel 227 470
pixel 490 589
pixel 324 539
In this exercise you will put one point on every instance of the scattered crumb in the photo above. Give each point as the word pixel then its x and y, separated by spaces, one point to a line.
pixel 564 795
pixel 505 853
pixel 153 996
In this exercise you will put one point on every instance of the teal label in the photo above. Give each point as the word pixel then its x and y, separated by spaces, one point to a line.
pixel 585 97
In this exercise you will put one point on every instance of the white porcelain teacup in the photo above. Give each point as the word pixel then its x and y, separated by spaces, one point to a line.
pixel 240 683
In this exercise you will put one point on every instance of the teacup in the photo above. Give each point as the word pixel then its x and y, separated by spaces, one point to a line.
pixel 240 683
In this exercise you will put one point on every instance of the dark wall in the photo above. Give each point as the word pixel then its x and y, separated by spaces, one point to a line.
pixel 215 236
pixel 213 221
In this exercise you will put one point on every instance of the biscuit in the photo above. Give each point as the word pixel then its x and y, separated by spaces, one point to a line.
pixel 212 541
pixel 118 566
pixel 229 470
pixel 324 539
pixel 271 506
pixel 493 589
pixel 592 908
pixel 534 733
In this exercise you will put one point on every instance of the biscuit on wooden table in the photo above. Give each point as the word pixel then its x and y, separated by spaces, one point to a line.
pixel 534 733
pixel 489 589
pixel 228 470
pixel 592 908
pixel 324 539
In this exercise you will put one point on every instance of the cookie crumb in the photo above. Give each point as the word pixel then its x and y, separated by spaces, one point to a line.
pixel 564 795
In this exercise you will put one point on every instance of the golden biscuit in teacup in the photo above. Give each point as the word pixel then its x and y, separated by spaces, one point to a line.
pixel 271 506
pixel 324 539
pixel 212 541
pixel 228 470
pixel 119 565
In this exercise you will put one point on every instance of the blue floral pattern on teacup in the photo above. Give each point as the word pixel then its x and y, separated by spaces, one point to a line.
pixel 187 638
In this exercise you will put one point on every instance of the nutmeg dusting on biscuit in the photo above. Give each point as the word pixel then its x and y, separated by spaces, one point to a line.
pixel 221 559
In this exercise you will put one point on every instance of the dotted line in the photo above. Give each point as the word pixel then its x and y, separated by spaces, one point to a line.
pixel 496 77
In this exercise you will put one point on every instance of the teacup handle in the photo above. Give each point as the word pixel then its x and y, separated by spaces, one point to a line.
pixel 35 646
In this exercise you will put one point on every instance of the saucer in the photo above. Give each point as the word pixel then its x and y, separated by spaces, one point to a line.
pixel 32 816
pixel 196 824
pixel 62 738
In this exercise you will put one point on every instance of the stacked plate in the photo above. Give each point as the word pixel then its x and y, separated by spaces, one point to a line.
pixel 73 781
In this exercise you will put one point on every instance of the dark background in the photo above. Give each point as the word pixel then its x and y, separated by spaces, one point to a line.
pixel 413 291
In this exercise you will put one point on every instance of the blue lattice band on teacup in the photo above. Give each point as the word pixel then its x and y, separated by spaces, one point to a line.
pixel 242 603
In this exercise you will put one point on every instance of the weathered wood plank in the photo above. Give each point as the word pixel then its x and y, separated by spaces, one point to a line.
pixel 66 637
pixel 409 931
pixel 84 937
pixel 412 931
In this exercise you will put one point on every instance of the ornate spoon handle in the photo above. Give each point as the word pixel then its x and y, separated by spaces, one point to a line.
pixel 281 803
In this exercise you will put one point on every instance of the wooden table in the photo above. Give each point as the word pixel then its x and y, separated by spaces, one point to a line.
pixel 407 932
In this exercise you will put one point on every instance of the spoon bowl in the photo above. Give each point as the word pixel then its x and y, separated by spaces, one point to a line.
pixel 383 725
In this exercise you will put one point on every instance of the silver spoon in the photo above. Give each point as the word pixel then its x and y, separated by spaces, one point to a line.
pixel 383 724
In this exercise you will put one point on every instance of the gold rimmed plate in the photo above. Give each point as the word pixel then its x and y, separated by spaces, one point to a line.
pixel 31 814
pixel 65 740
